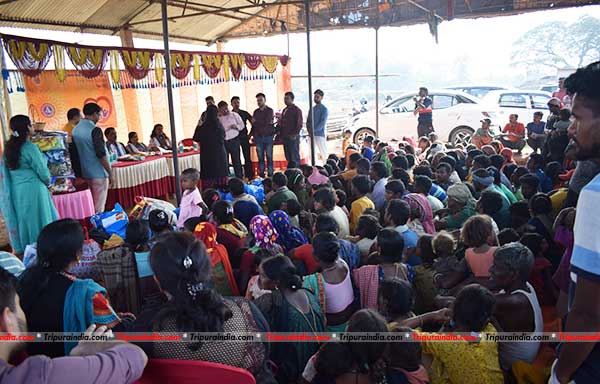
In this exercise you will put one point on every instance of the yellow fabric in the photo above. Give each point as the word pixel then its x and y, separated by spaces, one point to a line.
pixel 113 242
pixel 526 373
pixel 557 199
pixel 464 362
pixel 68 128
pixel 358 207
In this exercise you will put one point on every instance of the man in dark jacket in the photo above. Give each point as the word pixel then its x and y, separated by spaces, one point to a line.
pixel 289 129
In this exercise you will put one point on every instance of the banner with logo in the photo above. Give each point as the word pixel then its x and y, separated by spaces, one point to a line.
pixel 49 99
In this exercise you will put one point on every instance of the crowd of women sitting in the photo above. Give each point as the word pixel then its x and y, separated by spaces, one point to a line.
pixel 421 238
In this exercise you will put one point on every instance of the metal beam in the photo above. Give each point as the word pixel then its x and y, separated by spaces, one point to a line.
pixel 212 11
pixel 167 56
pixel 377 81
pixel 311 132
pixel 424 9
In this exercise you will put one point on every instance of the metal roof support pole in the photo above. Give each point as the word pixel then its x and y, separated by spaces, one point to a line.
pixel 377 81
pixel 6 107
pixel 174 146
pixel 310 92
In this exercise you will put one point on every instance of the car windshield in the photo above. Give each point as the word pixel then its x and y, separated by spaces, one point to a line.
pixel 405 104
pixel 539 101
pixel 513 100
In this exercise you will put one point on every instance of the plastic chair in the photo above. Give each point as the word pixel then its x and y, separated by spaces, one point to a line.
pixel 160 371
pixel 187 142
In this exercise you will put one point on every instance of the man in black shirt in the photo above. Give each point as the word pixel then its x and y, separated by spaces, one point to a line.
pixel 244 140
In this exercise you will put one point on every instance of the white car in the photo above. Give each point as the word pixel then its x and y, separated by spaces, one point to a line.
pixel 456 116
pixel 477 90
pixel 522 103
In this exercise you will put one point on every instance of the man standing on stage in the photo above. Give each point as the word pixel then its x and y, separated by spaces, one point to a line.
pixel 289 129
pixel 423 105
pixel 319 131
pixel 262 132
pixel 244 140
pixel 233 125
pixel 95 167
pixel 209 101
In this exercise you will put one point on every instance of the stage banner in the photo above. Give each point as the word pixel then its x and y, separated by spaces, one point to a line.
pixel 49 99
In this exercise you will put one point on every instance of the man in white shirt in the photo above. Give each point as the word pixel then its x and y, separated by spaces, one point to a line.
pixel 233 124
pixel 580 362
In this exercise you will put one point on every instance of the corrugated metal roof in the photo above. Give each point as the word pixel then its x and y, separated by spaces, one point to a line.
pixel 208 20
pixel 192 21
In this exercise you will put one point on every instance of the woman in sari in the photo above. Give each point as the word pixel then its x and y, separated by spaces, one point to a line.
pixel 369 277
pixel 230 231
pixel 182 268
pixel 421 216
pixel 221 271
pixel 288 308
pixel 25 201
pixel 333 285
pixel 264 238
pixel 54 300
pixel 159 140
pixel 290 237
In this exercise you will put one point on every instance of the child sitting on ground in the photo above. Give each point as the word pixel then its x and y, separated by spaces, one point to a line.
pixel 404 360
pixel 341 199
pixel 445 260
pixel 192 204
pixel 424 284
pixel 541 274
pixel 477 235
pixel 293 208
pixel 443 248
pixel 366 232
pixel 360 187
pixel 464 361
pixel 191 223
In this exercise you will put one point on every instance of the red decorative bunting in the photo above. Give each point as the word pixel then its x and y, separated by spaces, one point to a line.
pixel 253 61
pixel 181 63
pixel 284 60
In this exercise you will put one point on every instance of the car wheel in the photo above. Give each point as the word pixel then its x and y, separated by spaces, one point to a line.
pixel 360 135
pixel 461 135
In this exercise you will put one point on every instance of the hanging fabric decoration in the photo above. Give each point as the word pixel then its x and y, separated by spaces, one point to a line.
pixel 159 68
pixel 197 66
pixel 226 68
pixel 284 60
pixel 270 63
pixel 212 65
pixel 59 62
pixel 236 63
pixel 89 62
pixel 29 57
pixel 137 63
pixel 252 61
pixel 181 63
pixel 115 73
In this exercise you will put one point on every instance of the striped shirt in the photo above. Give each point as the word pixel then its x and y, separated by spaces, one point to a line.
pixel 586 252
pixel 437 191
pixel 11 263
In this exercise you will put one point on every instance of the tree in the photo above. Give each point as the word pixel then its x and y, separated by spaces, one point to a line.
pixel 555 45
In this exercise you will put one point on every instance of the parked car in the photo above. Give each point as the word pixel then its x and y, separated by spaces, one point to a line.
pixel 549 88
pixel 477 90
pixel 522 103
pixel 456 116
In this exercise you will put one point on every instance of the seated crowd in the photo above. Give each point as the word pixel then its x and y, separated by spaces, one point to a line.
pixel 413 238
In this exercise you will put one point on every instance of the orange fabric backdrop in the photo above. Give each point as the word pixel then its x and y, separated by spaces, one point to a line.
pixel 49 100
